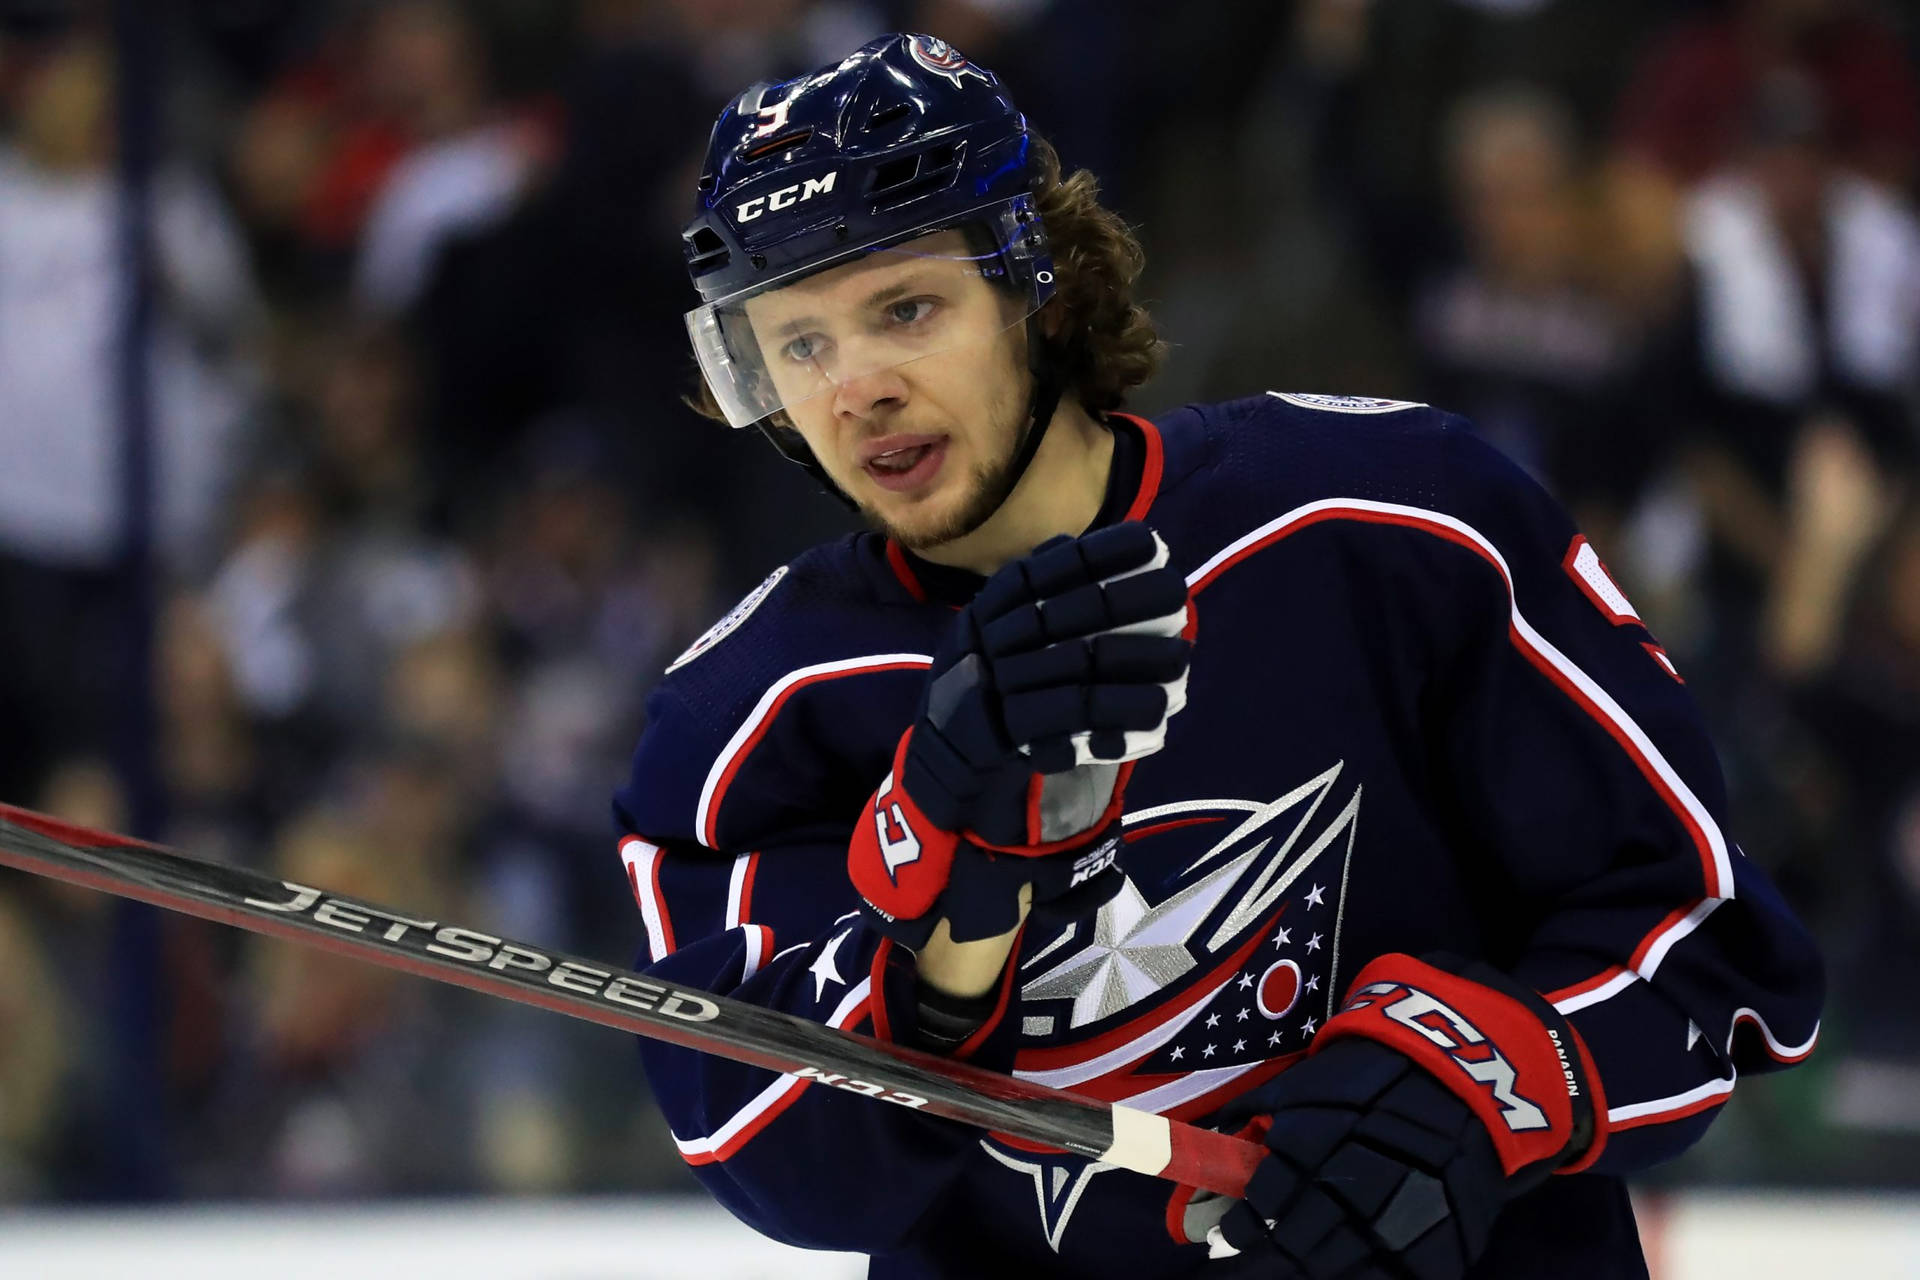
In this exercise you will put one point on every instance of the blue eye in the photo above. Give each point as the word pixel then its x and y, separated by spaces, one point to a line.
pixel 910 312
pixel 802 349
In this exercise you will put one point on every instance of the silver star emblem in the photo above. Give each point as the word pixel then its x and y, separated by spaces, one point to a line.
pixel 1213 1019
pixel 1313 983
pixel 1134 952
pixel 1239 1046
pixel 1313 897
pixel 1207 1052
pixel 1313 943
pixel 1179 1052
pixel 1241 1016
pixel 1308 1027
pixel 1246 980
pixel 1282 938
pixel 1274 1038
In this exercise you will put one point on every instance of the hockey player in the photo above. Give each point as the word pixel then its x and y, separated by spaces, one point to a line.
pixel 1289 764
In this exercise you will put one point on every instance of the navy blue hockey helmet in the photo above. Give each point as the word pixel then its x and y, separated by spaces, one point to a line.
pixel 902 139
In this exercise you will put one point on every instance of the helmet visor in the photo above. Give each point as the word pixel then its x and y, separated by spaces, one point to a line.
pixel 931 292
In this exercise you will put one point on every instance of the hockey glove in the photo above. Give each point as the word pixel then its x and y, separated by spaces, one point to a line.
pixel 1061 672
pixel 1439 1092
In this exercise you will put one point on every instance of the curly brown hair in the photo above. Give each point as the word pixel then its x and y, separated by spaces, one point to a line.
pixel 1107 336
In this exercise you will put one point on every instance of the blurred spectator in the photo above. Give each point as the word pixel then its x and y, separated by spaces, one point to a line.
pixel 334 1084
pixel 1860 695
pixel 334 568
pixel 1378 80
pixel 209 760
pixel 564 320
pixel 367 152
pixel 1685 113
pixel 465 164
pixel 1801 313
pixel 62 298
pixel 35 1042
pixel 1517 335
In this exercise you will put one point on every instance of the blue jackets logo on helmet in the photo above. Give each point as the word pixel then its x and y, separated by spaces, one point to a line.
pixel 941 58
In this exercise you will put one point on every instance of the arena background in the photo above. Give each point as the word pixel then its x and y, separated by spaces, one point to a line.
pixel 348 506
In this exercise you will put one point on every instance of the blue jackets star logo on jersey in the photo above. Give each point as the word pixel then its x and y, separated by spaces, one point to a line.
pixel 1185 1001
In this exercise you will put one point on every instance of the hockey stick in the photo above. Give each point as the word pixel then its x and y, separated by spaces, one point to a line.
pixel 1117 1135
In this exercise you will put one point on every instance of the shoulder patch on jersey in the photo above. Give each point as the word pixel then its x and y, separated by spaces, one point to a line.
pixel 1584 566
pixel 735 616
pixel 1345 404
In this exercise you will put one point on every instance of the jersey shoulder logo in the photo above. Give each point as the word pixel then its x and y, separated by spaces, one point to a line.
pixel 1345 404
pixel 735 616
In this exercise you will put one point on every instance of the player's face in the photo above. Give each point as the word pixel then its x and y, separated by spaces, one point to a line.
pixel 906 374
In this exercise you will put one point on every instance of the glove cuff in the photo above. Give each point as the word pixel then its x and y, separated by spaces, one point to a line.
pixel 899 859
pixel 1035 845
pixel 1502 1049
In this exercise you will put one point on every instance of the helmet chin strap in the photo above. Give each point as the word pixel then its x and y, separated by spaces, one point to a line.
pixel 1049 381
pixel 1048 367
pixel 793 447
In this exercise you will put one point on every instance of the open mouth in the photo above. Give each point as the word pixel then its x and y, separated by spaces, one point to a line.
pixel 909 466
pixel 900 461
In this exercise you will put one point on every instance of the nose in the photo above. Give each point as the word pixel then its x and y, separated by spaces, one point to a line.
pixel 867 394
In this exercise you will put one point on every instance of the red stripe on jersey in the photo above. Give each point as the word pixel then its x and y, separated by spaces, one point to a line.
pixel 746 887
pixel 897 561
pixel 1639 958
pixel 738 750
pixel 647 895
pixel 1141 833
pixel 1594 983
pixel 1151 468
pixel 660 901
pixel 1694 832
pixel 770 1104
pixel 1783 1053
pixel 1715 885
pixel 1680 1112
pixel 882 1026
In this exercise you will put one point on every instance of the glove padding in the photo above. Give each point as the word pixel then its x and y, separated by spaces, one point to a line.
pixel 1375 1171
pixel 1071 656
pixel 1425 1105
pixel 1061 672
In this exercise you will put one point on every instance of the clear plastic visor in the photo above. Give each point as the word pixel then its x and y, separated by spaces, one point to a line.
pixel 876 310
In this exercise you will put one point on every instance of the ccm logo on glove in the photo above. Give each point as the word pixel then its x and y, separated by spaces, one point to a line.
pixel 1494 1044
pixel 1463 1042
pixel 895 850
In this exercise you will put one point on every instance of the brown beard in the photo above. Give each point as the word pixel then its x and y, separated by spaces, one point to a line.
pixel 991 484
pixel 993 481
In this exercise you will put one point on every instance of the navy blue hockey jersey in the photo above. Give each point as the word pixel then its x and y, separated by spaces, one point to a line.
pixel 1421 717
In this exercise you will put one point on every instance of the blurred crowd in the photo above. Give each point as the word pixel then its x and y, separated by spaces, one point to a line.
pixel 430 514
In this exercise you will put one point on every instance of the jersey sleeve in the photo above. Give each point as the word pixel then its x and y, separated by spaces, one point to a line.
pixel 1578 767
pixel 773 922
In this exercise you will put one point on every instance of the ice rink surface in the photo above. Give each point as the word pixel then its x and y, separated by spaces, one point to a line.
pixel 1691 1237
